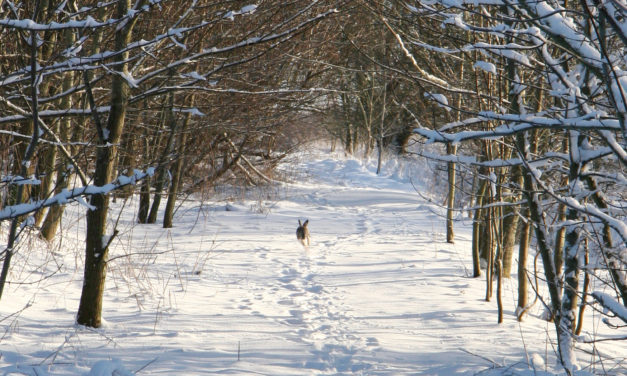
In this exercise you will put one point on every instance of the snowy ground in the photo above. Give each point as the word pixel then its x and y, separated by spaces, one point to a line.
pixel 229 291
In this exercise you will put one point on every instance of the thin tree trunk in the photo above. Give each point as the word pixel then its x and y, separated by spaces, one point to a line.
pixel 47 166
pixel 144 190
pixel 144 201
pixel 615 265
pixel 55 213
pixel 523 255
pixel 498 260
pixel 559 241
pixel 97 244
pixel 476 231
pixel 27 156
pixel 586 286
pixel 536 214
pixel 381 128
pixel 127 163
pixel 452 150
pixel 176 173
pixel 510 228
pixel 490 250
pixel 450 202
pixel 348 146
pixel 568 311
pixel 162 164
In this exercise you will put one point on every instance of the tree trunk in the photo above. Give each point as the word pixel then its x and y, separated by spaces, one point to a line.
pixel 568 312
pixel 144 190
pixel 144 201
pixel 349 145
pixel 586 286
pixel 523 255
pixel 25 162
pixel 559 241
pixel 450 202
pixel 162 164
pixel 510 228
pixel 452 150
pixel 489 244
pixel 127 163
pixel 97 245
pixel 176 173
pixel 381 129
pixel 476 231
pixel 616 266
pixel 536 214
pixel 498 260
pixel 47 167
pixel 55 213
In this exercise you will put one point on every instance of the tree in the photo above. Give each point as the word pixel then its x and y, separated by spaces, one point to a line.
pixel 582 100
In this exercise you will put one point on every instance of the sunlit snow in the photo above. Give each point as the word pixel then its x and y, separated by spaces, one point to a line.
pixel 229 290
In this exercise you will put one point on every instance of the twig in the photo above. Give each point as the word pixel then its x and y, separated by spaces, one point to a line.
pixel 146 365
pixel 482 357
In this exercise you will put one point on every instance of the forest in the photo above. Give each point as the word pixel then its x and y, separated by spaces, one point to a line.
pixel 522 104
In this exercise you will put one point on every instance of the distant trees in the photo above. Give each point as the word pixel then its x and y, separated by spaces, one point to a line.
pixel 96 90
pixel 542 121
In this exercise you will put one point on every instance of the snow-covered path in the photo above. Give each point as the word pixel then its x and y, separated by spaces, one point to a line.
pixel 378 292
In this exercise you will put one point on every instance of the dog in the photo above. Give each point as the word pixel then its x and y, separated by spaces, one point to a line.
pixel 302 233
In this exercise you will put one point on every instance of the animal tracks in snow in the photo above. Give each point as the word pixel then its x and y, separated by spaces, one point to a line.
pixel 315 314
pixel 378 292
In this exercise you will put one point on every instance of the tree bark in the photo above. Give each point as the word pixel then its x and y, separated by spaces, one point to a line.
pixel 97 244
pixel 567 314
pixel 476 230
pixel 537 216
pixel 176 172
pixel 523 255
pixel 510 228
pixel 450 202
pixel 559 240
pixel 55 213
pixel 586 286
pixel 163 160
pixel 615 265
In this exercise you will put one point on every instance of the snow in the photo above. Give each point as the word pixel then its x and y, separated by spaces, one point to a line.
pixel 247 9
pixel 194 111
pixel 130 80
pixel 109 368
pixel 485 66
pixel 440 99
pixel 229 290
pixel 611 304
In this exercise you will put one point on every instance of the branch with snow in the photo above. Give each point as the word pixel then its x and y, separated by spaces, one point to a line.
pixel 440 99
pixel 74 195
pixel 610 304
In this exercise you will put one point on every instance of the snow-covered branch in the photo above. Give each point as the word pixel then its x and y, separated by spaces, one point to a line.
pixel 71 195
pixel 611 305
pixel 516 123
